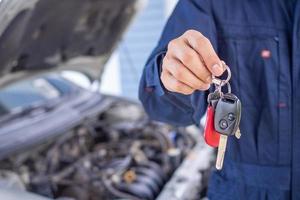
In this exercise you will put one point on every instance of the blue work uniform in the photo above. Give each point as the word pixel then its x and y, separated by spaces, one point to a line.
pixel 260 41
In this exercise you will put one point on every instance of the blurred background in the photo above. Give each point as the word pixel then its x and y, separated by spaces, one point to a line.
pixel 135 48
pixel 62 139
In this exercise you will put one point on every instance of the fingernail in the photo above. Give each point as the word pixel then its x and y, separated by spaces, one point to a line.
pixel 217 70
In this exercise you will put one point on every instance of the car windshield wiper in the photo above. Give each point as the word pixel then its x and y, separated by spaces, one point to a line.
pixel 34 109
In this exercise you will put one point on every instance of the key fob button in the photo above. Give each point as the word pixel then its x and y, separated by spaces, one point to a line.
pixel 223 124
pixel 231 117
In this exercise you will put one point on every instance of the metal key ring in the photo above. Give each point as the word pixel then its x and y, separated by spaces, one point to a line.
pixel 221 82
pixel 219 90
pixel 228 87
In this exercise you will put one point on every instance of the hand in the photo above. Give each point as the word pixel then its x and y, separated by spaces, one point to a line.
pixel 190 63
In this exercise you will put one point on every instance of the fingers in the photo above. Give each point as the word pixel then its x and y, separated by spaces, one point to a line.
pixel 190 63
pixel 204 48
pixel 180 50
pixel 184 75
pixel 173 85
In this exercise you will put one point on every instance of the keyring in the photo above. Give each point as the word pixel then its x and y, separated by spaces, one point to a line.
pixel 218 92
pixel 219 88
pixel 220 82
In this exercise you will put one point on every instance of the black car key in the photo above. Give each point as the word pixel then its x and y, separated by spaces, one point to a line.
pixel 227 120
pixel 228 114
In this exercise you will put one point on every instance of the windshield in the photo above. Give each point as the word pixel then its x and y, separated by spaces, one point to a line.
pixel 34 91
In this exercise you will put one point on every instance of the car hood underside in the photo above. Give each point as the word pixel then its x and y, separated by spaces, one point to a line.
pixel 39 35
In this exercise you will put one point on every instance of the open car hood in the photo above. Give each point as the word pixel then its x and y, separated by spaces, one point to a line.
pixel 44 35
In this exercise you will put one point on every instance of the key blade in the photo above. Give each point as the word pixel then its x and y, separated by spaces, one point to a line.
pixel 221 151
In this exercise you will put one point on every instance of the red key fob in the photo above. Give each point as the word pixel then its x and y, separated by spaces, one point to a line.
pixel 211 136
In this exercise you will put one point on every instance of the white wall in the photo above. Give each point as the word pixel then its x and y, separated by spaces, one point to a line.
pixel 169 6
pixel 111 81
pixel 143 34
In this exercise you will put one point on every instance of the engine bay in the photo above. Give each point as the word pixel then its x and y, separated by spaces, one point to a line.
pixel 118 154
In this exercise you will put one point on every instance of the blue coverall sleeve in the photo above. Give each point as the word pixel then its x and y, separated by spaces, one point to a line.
pixel 160 104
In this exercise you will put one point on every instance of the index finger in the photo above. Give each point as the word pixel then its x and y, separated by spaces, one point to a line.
pixel 203 46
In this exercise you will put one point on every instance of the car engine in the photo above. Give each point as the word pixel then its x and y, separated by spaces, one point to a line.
pixel 117 154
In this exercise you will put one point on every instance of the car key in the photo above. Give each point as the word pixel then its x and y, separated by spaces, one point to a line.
pixel 227 116
pixel 227 120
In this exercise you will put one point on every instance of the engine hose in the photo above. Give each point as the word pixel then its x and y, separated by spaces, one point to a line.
pixel 121 164
pixel 140 190
pixel 154 166
pixel 165 143
pixel 110 188
pixel 149 182
pixel 150 173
